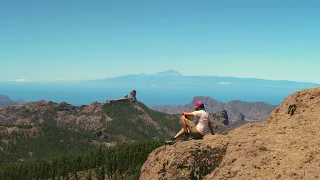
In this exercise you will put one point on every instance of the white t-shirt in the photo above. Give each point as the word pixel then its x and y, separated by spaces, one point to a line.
pixel 202 120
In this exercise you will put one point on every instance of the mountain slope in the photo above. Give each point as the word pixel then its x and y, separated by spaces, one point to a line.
pixel 120 120
pixel 69 155
pixel 6 101
pixel 21 143
pixel 286 146
pixel 39 134
pixel 251 110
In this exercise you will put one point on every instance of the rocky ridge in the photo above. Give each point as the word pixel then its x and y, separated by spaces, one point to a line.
pixel 78 117
pixel 124 119
pixel 286 146
pixel 86 117
pixel 254 111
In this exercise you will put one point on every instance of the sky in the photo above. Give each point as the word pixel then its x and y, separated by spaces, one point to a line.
pixel 80 40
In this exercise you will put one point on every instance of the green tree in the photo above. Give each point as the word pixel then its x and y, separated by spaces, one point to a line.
pixel 100 171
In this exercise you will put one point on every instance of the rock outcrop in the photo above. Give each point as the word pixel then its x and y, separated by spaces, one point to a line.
pixel 186 160
pixel 131 99
pixel 133 94
pixel 221 117
pixel 239 120
pixel 286 146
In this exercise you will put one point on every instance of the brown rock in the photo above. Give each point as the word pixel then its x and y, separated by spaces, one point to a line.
pixel 186 160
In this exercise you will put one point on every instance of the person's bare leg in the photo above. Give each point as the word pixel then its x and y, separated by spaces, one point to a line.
pixel 179 133
pixel 184 127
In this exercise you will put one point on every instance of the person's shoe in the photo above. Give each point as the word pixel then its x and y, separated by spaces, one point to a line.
pixel 171 141
pixel 187 137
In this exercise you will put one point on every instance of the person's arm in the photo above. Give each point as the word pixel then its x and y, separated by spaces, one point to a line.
pixel 210 127
pixel 188 113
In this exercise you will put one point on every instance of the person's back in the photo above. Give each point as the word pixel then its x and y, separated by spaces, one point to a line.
pixel 202 118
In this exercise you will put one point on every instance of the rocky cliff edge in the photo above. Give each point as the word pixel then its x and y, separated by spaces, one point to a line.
pixel 286 146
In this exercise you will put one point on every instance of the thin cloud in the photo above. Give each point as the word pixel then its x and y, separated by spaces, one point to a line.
pixel 154 86
pixel 60 79
pixel 225 83
pixel 20 80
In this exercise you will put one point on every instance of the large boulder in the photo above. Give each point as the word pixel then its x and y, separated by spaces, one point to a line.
pixel 186 160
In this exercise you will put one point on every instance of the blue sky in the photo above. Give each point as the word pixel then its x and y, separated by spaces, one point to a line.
pixel 77 39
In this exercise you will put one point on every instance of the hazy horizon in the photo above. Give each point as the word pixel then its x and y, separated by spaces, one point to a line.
pixel 163 89
pixel 155 73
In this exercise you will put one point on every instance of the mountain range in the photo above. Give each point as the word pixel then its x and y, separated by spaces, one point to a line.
pixel 43 127
pixel 174 79
pixel 237 110
pixel 119 121
pixel 122 119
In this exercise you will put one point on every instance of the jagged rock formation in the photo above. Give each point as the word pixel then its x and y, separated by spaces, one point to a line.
pixel 239 120
pixel 286 146
pixel 132 98
pixel 133 94
pixel 222 117
pixel 220 122
pixel 257 111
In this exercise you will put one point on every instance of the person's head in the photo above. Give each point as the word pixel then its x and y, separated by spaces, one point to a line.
pixel 198 105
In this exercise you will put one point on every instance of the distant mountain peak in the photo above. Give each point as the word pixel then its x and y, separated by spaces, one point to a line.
pixel 169 72
pixel 4 98
pixel 6 101
pixel 205 99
